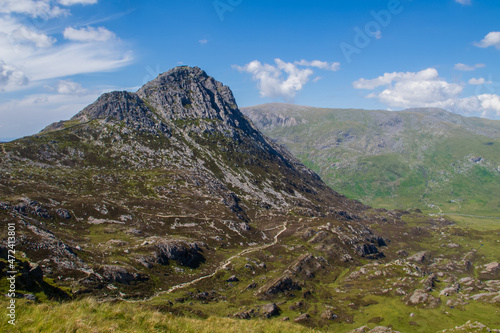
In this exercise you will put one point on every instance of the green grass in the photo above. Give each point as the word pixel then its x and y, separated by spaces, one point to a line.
pixel 396 314
pixel 90 316
pixel 480 223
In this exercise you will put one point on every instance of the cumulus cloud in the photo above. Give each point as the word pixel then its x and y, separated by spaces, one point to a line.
pixel 464 2
pixel 486 105
pixel 491 39
pixel 203 41
pixel 429 74
pixel 464 67
pixel 479 81
pixel 88 34
pixel 284 79
pixel 427 89
pixel 412 89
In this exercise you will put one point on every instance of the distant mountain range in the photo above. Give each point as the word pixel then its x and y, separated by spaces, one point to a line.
pixel 426 158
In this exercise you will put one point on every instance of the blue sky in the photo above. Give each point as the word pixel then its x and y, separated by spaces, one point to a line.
pixel 57 56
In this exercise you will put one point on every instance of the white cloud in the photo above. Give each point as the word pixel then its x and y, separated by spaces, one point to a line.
pixel 491 39
pixel 479 81
pixel 203 41
pixel 271 82
pixel 429 74
pixel 412 89
pixel 427 89
pixel 29 55
pixel 39 39
pixel 68 87
pixel 11 76
pixel 486 105
pixel 13 34
pixel 76 59
pixel 284 79
pixel 464 2
pixel 464 67
pixel 77 2
pixel 88 34
pixel 334 66
pixel 33 8
pixel 31 58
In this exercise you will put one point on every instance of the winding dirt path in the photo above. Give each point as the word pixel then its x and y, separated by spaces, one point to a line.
pixel 221 266
pixel 228 261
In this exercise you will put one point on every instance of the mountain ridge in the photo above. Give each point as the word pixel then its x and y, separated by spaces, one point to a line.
pixel 393 159
pixel 437 113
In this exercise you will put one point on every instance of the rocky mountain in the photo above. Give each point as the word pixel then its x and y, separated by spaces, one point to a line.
pixel 426 158
pixel 173 170
pixel 170 198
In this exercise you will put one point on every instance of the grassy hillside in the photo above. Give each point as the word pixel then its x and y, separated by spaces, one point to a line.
pixel 427 158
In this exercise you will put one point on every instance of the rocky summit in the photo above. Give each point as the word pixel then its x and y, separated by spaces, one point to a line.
pixel 171 197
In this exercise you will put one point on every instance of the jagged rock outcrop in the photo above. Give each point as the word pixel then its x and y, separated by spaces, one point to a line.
pixel 184 253
pixel 270 310
pixel 280 285
pixel 120 275
pixel 420 297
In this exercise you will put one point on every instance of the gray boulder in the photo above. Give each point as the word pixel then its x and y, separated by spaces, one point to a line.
pixel 271 309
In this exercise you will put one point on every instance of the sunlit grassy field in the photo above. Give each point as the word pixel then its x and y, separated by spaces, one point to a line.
pixel 88 315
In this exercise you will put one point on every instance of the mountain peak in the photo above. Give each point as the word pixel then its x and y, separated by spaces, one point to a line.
pixel 189 93
pixel 180 94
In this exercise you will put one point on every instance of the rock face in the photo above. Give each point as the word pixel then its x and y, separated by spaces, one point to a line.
pixel 120 275
pixel 329 315
pixel 184 253
pixel 420 297
pixel 188 93
pixel 270 310
pixel 280 285
pixel 490 271
pixel 419 257
pixel 303 318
